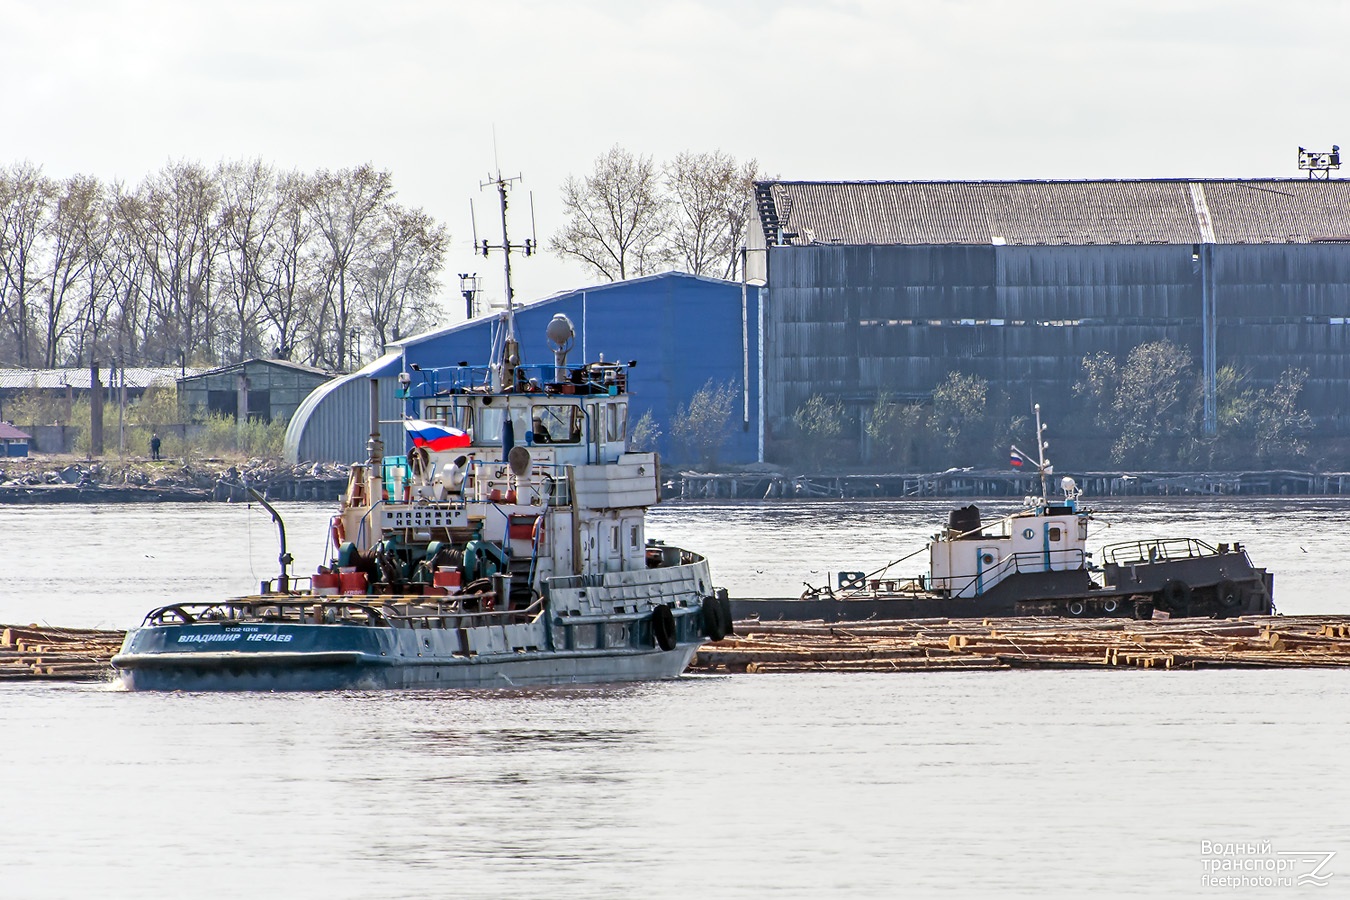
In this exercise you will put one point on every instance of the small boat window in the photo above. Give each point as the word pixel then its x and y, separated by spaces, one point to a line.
pixel 616 421
pixel 460 417
pixel 490 419
pixel 555 424
pixel 1055 533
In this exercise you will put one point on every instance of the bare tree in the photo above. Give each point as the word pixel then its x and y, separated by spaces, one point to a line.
pixel 128 274
pixel 616 217
pixel 97 286
pixel 25 194
pixel 207 265
pixel 173 221
pixel 67 259
pixel 248 217
pixel 405 253
pixel 711 196
pixel 343 204
pixel 290 301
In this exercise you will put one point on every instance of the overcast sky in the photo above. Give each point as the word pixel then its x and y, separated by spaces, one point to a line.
pixel 851 89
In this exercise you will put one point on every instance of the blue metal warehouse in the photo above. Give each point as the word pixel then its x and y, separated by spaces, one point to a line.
pixel 890 286
pixel 683 330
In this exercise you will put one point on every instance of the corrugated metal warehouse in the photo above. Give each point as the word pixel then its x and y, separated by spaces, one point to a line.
pixel 683 330
pixel 889 286
pixel 266 389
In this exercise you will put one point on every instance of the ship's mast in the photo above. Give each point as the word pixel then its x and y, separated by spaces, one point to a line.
pixel 1043 466
pixel 504 373
pixel 1041 462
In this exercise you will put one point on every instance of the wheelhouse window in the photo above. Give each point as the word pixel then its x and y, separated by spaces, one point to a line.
pixel 555 424
pixel 490 420
pixel 460 417
pixel 616 422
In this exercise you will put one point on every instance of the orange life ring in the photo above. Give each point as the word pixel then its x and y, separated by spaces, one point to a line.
pixel 338 531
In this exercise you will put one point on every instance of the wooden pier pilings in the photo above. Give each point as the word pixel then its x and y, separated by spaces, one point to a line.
pixel 1037 643
pixel 328 489
pixel 969 483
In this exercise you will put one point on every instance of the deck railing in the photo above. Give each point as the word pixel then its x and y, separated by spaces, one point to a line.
pixel 1145 551
pixel 410 611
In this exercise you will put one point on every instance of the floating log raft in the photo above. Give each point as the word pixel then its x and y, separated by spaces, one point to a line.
pixel 32 652
pixel 1036 643
pixel 908 645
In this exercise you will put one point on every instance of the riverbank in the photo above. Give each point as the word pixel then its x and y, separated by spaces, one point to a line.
pixel 69 479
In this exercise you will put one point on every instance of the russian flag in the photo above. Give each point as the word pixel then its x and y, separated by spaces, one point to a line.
pixel 435 437
pixel 1015 458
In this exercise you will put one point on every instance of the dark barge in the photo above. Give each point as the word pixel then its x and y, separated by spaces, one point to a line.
pixel 1035 563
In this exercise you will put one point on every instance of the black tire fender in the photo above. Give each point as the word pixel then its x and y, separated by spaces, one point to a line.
pixel 1230 594
pixel 663 626
pixel 1076 608
pixel 716 622
pixel 1175 595
pixel 725 602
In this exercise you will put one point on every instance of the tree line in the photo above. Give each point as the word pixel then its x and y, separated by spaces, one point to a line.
pixel 210 266
pixel 630 217
pixel 1142 411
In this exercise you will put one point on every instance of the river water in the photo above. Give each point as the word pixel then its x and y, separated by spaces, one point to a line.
pixel 1036 784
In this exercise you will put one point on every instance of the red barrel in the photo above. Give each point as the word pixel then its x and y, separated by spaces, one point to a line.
pixel 352 582
pixel 446 578
pixel 326 583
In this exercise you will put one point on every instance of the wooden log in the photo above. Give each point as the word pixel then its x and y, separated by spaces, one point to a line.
pixel 1276 641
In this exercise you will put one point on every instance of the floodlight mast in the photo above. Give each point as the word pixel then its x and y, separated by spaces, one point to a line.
pixel 1319 163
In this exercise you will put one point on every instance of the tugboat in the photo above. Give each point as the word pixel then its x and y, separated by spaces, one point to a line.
pixel 1035 563
pixel 508 547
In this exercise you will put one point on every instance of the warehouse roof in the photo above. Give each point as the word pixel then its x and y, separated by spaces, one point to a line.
pixel 1146 211
pixel 254 363
pixel 137 377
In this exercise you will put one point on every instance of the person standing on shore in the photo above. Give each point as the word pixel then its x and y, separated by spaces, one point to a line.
pixel 154 445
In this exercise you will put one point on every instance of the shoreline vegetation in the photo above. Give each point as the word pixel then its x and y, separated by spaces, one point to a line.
pixel 67 478
pixel 75 479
